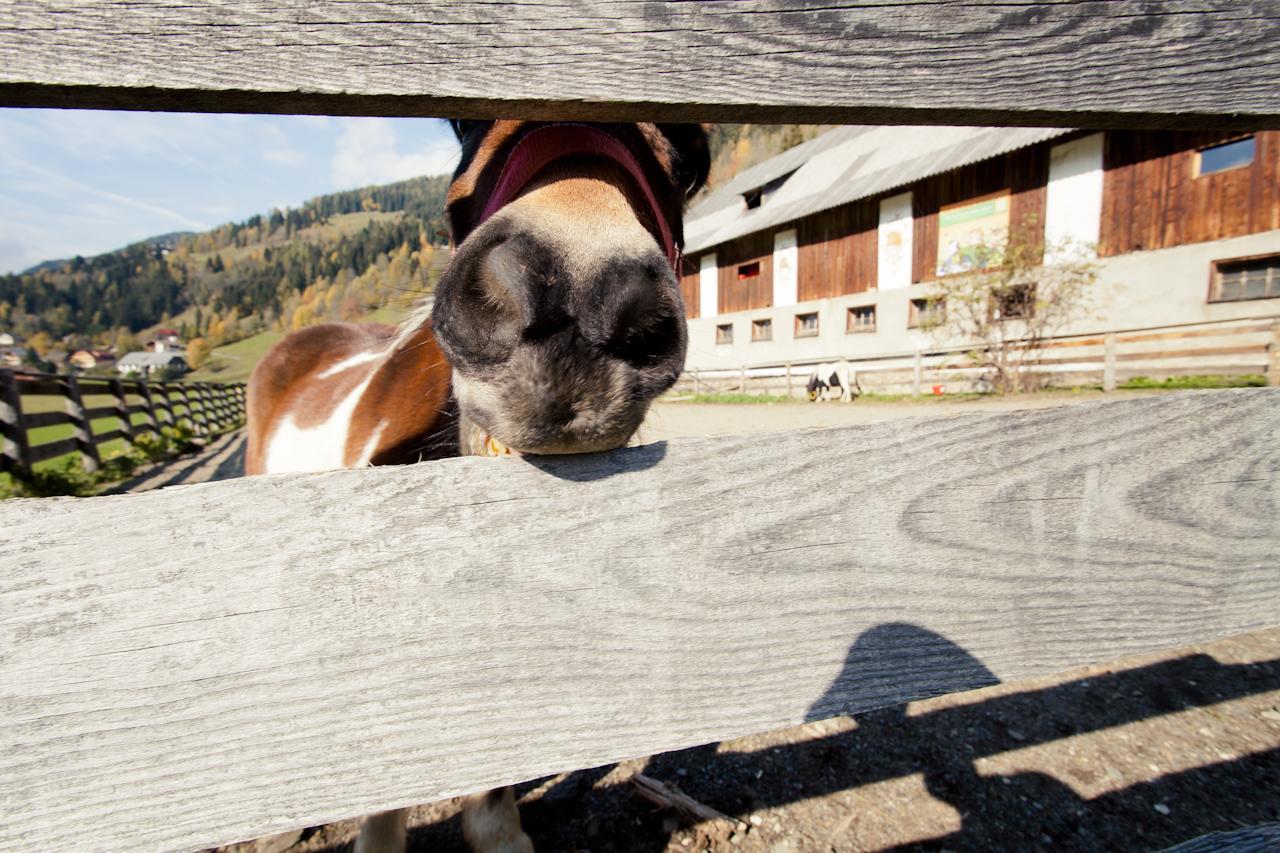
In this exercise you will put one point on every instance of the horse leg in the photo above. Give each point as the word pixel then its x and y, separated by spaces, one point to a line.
pixel 491 823
pixel 383 832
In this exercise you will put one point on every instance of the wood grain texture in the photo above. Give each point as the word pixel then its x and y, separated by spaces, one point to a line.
pixel 319 646
pixel 1152 197
pixel 1127 63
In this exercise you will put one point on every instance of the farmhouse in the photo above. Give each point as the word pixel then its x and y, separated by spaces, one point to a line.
pixel 86 359
pixel 830 249
pixel 146 363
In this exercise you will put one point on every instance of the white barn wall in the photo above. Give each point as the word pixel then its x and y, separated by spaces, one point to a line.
pixel 1137 290
pixel 893 243
pixel 786 274
pixel 708 286
pixel 1073 203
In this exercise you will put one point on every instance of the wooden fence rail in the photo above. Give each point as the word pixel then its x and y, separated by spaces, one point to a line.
pixel 328 645
pixel 1226 347
pixel 215 408
pixel 1127 63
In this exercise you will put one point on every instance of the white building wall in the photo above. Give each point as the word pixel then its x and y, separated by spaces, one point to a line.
pixel 893 244
pixel 1134 291
pixel 708 286
pixel 786 282
pixel 1073 203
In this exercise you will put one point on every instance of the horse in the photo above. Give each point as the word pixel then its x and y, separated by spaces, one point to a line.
pixel 830 376
pixel 557 322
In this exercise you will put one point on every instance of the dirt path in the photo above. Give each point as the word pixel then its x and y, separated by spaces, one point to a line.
pixel 674 419
pixel 223 459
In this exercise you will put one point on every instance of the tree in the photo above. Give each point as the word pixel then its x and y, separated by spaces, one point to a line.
pixel 126 341
pixel 40 343
pixel 198 350
pixel 1010 307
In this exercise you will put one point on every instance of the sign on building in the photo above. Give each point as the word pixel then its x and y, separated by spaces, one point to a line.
pixel 972 235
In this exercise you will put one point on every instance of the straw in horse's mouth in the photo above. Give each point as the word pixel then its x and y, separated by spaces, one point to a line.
pixel 493 447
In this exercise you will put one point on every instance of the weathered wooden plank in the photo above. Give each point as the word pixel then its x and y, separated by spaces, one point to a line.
pixel 41 452
pixel 1127 63
pixel 81 427
pixel 13 429
pixel 327 645
pixel 36 420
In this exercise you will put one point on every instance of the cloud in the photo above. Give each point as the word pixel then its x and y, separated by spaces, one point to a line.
pixel 105 195
pixel 367 154
pixel 284 156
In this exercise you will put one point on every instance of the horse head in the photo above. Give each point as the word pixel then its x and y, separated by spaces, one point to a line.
pixel 561 313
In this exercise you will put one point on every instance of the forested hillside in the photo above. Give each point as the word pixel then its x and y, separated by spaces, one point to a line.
pixel 336 257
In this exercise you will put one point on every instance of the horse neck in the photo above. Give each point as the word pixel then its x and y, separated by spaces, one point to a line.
pixel 408 411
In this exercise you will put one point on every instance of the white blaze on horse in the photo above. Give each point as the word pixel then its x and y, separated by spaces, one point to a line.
pixel 834 377
pixel 556 324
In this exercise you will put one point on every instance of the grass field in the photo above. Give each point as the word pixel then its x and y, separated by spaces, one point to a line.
pixel 234 362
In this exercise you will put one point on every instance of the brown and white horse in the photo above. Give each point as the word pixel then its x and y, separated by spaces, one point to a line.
pixel 557 322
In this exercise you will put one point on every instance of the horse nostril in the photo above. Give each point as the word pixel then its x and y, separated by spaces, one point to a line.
pixel 482 303
pixel 632 317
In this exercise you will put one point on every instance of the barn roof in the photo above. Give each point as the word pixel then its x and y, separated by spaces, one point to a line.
pixel 844 165
pixel 151 359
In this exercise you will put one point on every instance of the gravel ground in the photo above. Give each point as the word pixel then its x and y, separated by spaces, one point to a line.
pixel 1137 755
pixel 676 419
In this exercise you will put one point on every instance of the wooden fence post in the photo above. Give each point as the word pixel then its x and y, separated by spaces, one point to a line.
pixel 221 404
pixel 788 369
pixel 81 429
pixel 166 404
pixel 178 397
pixel 199 423
pixel 207 406
pixel 149 406
pixel 1109 364
pixel 122 410
pixel 917 379
pixel 743 389
pixel 14 455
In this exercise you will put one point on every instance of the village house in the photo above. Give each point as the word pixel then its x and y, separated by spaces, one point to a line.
pixel 147 363
pixel 831 249
pixel 87 359
pixel 166 340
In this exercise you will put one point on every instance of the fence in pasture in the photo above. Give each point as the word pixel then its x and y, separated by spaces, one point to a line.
pixel 128 408
pixel 329 645
pixel 1224 348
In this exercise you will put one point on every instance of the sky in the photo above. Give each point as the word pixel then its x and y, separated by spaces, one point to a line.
pixel 82 182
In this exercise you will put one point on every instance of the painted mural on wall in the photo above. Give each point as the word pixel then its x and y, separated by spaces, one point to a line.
pixel 972 235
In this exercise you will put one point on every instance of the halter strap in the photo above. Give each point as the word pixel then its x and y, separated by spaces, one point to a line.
pixel 541 147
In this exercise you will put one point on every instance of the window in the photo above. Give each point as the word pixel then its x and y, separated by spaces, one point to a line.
pixel 861 319
pixel 925 312
pixel 724 333
pixel 1247 278
pixel 761 330
pixel 750 270
pixel 807 325
pixel 1014 303
pixel 1220 158
pixel 759 195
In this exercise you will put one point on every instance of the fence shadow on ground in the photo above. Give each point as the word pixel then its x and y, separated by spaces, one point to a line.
pixel 1017 811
